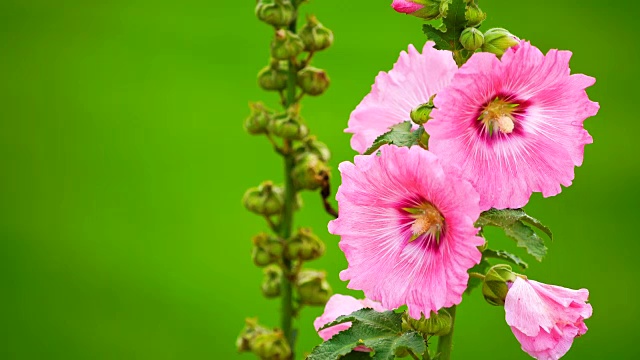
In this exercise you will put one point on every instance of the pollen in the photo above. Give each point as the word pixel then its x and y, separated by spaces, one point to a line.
pixel 498 115
pixel 427 220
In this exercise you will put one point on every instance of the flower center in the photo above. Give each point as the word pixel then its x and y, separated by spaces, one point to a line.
pixel 498 115
pixel 427 221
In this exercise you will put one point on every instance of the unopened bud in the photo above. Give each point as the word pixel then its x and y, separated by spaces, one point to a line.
pixel 266 249
pixel 474 15
pixel 258 120
pixel 310 172
pixel 278 13
pixel 498 40
pixel 286 45
pixel 248 335
pixel 313 287
pixel 315 36
pixel 425 9
pixel 471 39
pixel 272 281
pixel 266 199
pixel 288 127
pixel 274 77
pixel 272 346
pixel 318 148
pixel 422 113
pixel 495 286
pixel 313 81
pixel 438 324
pixel 304 245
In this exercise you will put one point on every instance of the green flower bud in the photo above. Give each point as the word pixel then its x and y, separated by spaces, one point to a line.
pixel 313 81
pixel 258 120
pixel 286 45
pixel 438 324
pixel 266 199
pixel 310 172
pixel 498 40
pixel 278 13
pixel 471 39
pixel 315 36
pixel 266 250
pixel 272 346
pixel 313 287
pixel 304 245
pixel 288 127
pixel 495 286
pixel 248 335
pixel 422 113
pixel 274 77
pixel 272 281
pixel 431 10
pixel 318 148
pixel 474 15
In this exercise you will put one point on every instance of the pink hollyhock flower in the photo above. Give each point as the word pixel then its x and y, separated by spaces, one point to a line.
pixel 406 227
pixel 406 6
pixel 545 318
pixel 339 305
pixel 514 126
pixel 414 79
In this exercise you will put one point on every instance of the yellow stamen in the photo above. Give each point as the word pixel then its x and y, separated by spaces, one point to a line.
pixel 428 220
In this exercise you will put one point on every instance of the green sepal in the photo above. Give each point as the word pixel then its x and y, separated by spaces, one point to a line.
pixel 399 135
pixel 514 223
pixel 447 36
pixel 506 256
pixel 379 331
pixel 480 268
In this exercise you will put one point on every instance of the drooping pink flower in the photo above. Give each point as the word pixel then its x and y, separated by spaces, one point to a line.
pixel 514 126
pixel 413 80
pixel 545 318
pixel 339 305
pixel 406 227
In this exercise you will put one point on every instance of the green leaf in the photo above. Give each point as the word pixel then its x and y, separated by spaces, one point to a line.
pixel 379 331
pixel 447 36
pixel 399 135
pixel 481 268
pixel 512 221
pixel 505 255
pixel 357 355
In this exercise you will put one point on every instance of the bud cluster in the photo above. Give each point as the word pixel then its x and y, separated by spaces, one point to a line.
pixel 283 253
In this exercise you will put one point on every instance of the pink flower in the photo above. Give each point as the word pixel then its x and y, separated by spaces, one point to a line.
pixel 514 126
pixel 413 80
pixel 406 6
pixel 339 305
pixel 407 231
pixel 545 318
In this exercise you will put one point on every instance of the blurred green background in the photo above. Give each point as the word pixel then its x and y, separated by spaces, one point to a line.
pixel 123 158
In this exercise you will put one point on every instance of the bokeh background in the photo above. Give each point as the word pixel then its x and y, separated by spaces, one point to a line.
pixel 123 161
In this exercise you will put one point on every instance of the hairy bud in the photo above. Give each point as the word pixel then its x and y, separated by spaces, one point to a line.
pixel 315 36
pixel 266 199
pixel 438 324
pixel 471 39
pixel 498 40
pixel 288 127
pixel 422 113
pixel 272 346
pixel 315 147
pixel 304 245
pixel 272 281
pixel 425 9
pixel 313 287
pixel 248 335
pixel 266 249
pixel 278 13
pixel 313 81
pixel 258 120
pixel 286 45
pixel 474 15
pixel 310 172
pixel 274 77
pixel 495 285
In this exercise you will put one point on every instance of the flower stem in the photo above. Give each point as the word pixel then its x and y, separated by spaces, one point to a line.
pixel 286 222
pixel 445 343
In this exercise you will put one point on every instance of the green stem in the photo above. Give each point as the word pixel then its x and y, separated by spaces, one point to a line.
pixel 445 343
pixel 286 223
